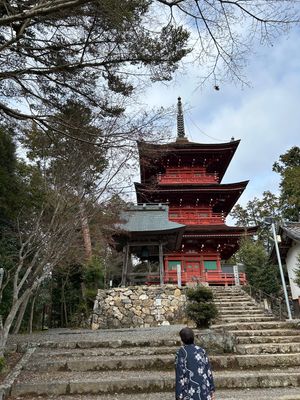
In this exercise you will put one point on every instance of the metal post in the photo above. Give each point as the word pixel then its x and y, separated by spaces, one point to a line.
pixel 281 272
pixel 178 275
pixel 125 265
pixel 236 275
pixel 161 264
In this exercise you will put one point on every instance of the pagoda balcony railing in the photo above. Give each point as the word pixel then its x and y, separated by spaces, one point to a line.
pixel 187 178
pixel 216 219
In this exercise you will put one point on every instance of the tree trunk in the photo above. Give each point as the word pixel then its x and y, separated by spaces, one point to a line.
pixel 85 232
pixel 10 319
pixel 64 313
pixel 31 313
pixel 21 315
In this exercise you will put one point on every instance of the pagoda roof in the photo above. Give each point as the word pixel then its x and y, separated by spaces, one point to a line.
pixel 221 230
pixel 222 196
pixel 216 156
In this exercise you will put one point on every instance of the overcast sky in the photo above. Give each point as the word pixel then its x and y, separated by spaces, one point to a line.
pixel 265 116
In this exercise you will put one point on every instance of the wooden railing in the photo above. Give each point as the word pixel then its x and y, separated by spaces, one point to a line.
pixel 196 219
pixel 187 178
pixel 211 277
pixel 224 278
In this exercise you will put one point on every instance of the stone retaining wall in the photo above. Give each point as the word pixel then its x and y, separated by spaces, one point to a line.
pixel 139 306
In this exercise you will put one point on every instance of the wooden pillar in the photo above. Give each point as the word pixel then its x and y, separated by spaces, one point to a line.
pixel 161 264
pixel 125 264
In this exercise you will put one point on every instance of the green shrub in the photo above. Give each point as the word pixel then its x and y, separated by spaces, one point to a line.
pixel 199 294
pixel 201 308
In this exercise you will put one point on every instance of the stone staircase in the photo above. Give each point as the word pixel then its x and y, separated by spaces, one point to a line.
pixel 139 365
pixel 265 348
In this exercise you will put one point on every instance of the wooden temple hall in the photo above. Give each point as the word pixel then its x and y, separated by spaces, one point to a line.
pixel 178 225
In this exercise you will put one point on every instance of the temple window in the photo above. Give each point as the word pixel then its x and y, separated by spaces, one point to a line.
pixel 172 265
pixel 210 265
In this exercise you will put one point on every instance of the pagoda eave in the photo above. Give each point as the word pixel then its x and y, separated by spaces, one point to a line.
pixel 221 199
pixel 208 187
pixel 145 147
pixel 154 156
pixel 219 230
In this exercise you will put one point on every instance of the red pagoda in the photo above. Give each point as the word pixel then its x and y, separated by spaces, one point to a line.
pixel 187 177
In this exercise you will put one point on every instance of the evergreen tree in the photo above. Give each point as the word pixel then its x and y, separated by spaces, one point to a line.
pixel 254 214
pixel 260 273
pixel 288 167
pixel 117 45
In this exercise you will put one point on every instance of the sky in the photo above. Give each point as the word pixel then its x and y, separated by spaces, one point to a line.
pixel 265 115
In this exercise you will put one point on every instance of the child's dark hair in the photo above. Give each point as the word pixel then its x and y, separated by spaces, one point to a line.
pixel 187 335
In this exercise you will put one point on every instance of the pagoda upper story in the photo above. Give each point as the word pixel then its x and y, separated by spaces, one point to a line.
pixel 187 176
pixel 184 161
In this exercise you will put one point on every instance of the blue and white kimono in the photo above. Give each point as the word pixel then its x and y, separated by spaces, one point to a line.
pixel 194 379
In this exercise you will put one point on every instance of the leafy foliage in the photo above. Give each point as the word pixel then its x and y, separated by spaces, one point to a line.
pixel 93 278
pixel 100 51
pixel 74 289
pixel 74 159
pixel 260 274
pixel 255 212
pixel 88 49
pixel 201 308
pixel 288 167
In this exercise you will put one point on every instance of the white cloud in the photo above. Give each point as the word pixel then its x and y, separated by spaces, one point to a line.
pixel 264 116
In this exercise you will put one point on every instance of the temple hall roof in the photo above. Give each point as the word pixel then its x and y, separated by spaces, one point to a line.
pixel 292 230
pixel 148 218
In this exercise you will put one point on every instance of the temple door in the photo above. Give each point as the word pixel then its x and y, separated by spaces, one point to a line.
pixel 193 270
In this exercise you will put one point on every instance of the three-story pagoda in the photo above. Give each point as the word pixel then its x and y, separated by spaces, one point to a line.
pixel 188 177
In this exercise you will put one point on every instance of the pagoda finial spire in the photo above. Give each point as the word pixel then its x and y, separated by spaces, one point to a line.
pixel 180 120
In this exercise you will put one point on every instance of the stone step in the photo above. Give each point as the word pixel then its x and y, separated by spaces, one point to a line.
pixel 114 344
pixel 241 312
pixel 234 299
pixel 270 348
pixel 267 339
pixel 234 318
pixel 117 362
pixel 159 363
pixel 287 393
pixel 230 292
pixel 99 382
pixel 249 361
pixel 52 354
pixel 251 326
pixel 266 332
pixel 237 305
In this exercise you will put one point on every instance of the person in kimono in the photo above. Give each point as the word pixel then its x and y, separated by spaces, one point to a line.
pixel 194 379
